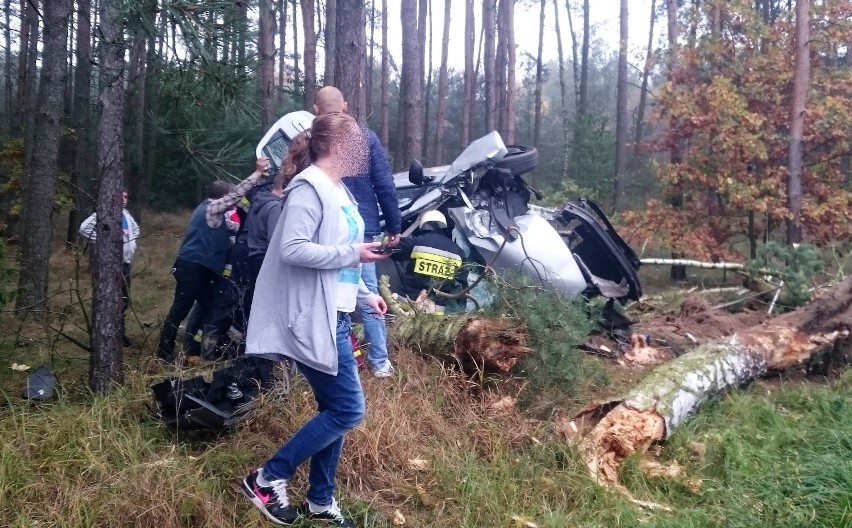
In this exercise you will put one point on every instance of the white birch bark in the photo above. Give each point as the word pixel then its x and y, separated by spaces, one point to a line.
pixel 672 392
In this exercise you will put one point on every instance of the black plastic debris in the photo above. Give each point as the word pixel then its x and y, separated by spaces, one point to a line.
pixel 216 405
pixel 40 384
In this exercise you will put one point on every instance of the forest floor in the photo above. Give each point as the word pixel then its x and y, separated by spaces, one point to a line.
pixel 437 449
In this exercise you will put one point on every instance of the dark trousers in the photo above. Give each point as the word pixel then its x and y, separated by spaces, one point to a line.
pixel 232 305
pixel 254 265
pixel 194 284
pixel 193 324
pixel 125 288
pixel 227 306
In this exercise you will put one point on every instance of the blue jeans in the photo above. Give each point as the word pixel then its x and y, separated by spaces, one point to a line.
pixel 375 331
pixel 340 402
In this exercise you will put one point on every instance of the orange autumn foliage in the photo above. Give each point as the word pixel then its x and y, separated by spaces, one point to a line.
pixel 726 106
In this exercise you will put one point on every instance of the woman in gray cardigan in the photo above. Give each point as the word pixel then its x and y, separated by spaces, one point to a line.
pixel 308 284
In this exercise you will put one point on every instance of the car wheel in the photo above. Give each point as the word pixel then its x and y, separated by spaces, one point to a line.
pixel 519 160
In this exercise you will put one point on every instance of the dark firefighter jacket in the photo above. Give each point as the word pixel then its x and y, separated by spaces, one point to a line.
pixel 431 261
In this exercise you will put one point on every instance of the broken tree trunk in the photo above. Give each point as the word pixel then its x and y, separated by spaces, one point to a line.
pixel 672 392
pixel 493 345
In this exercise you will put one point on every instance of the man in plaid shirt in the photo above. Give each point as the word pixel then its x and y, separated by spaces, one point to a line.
pixel 201 257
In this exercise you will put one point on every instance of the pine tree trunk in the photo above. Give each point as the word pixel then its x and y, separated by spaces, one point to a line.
pixel 676 273
pixel 385 117
pixel 105 366
pixel 500 65
pixel 646 74
pixel 135 123
pixel 797 122
pixel 40 180
pixel 427 92
pixel 584 67
pixel 511 93
pixel 282 49
pixel 242 27
pixel 563 92
pixel 469 76
pixel 296 71
pixel 331 40
pixel 310 56
pixel 23 73
pixel 489 23
pixel 399 138
pixel 164 35
pixel 476 69
pixel 266 60
pixel 228 20
pixel 152 99
pixel 574 58
pixel 9 90
pixel 351 39
pixel 368 79
pixel 31 84
pixel 412 81
pixel 539 81
pixel 621 113
pixel 443 86
pixel 81 119
pixel 672 392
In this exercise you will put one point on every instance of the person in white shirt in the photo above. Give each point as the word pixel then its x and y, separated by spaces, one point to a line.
pixel 130 233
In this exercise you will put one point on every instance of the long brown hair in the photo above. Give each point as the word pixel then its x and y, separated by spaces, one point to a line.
pixel 325 133
pixel 298 157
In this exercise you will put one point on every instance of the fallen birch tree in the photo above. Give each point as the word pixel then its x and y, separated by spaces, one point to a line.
pixel 692 263
pixel 672 392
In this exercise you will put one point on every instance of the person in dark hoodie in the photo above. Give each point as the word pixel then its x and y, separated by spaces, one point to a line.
pixel 232 306
pixel 373 189
pixel 262 219
pixel 433 262
pixel 202 255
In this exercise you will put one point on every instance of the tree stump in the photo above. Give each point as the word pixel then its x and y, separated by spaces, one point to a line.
pixel 478 344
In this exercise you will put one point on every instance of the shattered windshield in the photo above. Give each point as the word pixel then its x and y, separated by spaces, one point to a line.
pixel 276 149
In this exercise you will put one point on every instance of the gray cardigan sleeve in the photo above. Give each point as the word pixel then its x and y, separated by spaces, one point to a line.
pixel 301 217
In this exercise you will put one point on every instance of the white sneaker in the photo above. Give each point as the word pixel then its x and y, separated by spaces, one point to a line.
pixel 386 371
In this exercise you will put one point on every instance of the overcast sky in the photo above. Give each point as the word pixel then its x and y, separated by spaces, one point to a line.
pixel 603 14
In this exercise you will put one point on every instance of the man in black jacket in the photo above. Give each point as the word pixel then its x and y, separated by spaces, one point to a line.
pixel 433 262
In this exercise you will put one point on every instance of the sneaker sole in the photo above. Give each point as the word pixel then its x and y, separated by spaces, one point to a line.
pixel 262 507
pixel 305 512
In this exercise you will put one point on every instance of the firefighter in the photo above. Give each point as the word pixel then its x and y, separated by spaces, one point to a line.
pixel 432 262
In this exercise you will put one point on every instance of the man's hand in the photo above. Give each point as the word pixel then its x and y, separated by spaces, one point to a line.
pixel 366 254
pixel 261 165
pixel 378 304
pixel 393 240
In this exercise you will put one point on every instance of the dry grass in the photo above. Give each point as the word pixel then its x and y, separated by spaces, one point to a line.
pixel 441 449
pixel 413 419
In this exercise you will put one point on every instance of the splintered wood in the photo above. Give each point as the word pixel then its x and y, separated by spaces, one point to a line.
pixel 621 433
